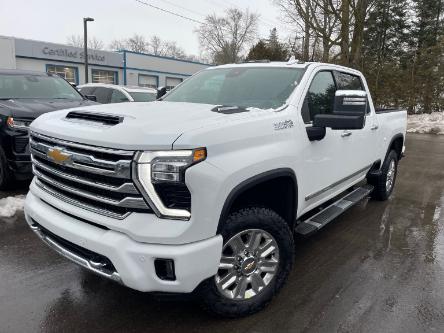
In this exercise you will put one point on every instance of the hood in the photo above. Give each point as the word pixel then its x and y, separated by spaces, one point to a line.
pixel 32 108
pixel 144 126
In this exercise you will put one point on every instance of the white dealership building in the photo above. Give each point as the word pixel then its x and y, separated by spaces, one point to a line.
pixel 121 67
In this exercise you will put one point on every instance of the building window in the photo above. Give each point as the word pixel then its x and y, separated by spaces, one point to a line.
pixel 171 82
pixel 150 81
pixel 101 76
pixel 70 74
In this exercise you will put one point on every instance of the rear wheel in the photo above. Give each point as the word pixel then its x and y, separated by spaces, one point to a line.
pixel 385 183
pixel 257 256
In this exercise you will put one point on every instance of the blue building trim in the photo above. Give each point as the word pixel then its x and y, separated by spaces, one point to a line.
pixel 76 70
pixel 156 76
pixel 124 67
pixel 164 57
pixel 156 72
pixel 67 62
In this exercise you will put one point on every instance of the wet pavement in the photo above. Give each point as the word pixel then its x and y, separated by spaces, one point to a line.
pixel 377 268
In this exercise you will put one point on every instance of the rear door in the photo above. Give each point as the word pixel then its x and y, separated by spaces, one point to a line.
pixel 364 143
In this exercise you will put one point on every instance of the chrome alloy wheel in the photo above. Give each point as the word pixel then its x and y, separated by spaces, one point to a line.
pixel 390 176
pixel 249 262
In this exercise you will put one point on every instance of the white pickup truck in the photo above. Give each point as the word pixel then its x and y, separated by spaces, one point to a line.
pixel 206 189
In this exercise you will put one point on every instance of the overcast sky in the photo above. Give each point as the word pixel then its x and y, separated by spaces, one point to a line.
pixel 54 20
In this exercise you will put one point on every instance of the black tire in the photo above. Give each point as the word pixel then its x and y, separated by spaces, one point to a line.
pixel 246 219
pixel 6 176
pixel 381 191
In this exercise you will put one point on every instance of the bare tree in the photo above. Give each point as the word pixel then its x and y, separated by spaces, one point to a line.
pixel 226 37
pixel 137 43
pixel 336 22
pixel 77 41
pixel 95 44
pixel 316 19
pixel 118 44
pixel 156 46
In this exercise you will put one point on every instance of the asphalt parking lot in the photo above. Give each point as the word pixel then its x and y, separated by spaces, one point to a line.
pixel 377 268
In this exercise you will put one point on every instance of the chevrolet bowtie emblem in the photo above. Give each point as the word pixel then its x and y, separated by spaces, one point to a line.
pixel 58 156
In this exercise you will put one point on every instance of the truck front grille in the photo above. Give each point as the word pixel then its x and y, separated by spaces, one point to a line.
pixel 94 178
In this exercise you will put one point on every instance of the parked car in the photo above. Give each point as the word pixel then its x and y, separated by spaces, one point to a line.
pixel 111 93
pixel 25 95
pixel 206 188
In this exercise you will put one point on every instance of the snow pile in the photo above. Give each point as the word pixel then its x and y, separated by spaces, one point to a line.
pixel 10 205
pixel 432 123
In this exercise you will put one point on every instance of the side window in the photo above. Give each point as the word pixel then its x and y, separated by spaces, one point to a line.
pixel 348 81
pixel 320 96
pixel 87 90
pixel 103 95
pixel 118 97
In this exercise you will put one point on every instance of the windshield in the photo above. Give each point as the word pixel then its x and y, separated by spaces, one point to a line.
pixel 140 96
pixel 36 86
pixel 259 87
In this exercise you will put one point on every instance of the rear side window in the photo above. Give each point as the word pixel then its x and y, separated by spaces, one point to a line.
pixel 348 81
pixel 87 90
pixel 103 95
pixel 118 97
pixel 320 96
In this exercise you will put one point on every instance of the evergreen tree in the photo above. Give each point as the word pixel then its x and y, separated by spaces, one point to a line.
pixel 269 49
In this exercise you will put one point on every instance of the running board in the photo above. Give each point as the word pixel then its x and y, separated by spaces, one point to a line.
pixel 321 219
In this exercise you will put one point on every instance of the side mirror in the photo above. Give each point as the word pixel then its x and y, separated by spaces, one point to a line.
pixel 91 98
pixel 161 91
pixel 350 108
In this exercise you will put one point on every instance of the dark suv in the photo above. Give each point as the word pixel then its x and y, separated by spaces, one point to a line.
pixel 25 95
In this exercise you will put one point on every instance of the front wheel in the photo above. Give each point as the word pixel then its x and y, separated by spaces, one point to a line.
pixel 257 256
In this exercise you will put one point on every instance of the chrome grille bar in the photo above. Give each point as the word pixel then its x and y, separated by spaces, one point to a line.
pixel 56 142
pixel 129 202
pixel 90 177
pixel 124 188
pixel 80 204
pixel 120 169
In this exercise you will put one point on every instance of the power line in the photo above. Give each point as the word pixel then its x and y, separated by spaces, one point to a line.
pixel 181 7
pixel 169 11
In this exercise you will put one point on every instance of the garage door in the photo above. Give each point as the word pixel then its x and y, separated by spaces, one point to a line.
pixel 149 81
pixel 171 82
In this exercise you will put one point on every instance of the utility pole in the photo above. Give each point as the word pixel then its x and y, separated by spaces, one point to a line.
pixel 85 44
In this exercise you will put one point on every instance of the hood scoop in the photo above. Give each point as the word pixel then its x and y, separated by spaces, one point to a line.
pixel 229 109
pixel 97 118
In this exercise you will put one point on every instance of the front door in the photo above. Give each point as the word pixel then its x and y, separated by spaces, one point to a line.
pixel 333 163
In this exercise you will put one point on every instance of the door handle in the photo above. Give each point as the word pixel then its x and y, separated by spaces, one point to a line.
pixel 346 133
pixel 374 127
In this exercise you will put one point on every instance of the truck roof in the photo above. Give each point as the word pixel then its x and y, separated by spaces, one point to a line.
pixel 285 64
pixel 119 87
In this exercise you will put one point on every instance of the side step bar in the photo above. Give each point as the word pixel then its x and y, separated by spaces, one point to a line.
pixel 321 219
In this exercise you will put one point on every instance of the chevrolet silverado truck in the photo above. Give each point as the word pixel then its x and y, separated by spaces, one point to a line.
pixel 206 189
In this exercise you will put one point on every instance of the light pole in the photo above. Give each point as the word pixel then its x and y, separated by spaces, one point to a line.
pixel 85 44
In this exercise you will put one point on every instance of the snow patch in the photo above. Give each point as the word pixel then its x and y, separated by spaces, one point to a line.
pixel 10 205
pixel 432 123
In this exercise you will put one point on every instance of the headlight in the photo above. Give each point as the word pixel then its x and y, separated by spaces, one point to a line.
pixel 20 124
pixel 165 166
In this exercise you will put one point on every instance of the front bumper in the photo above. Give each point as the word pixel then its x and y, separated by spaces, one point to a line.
pixel 133 261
